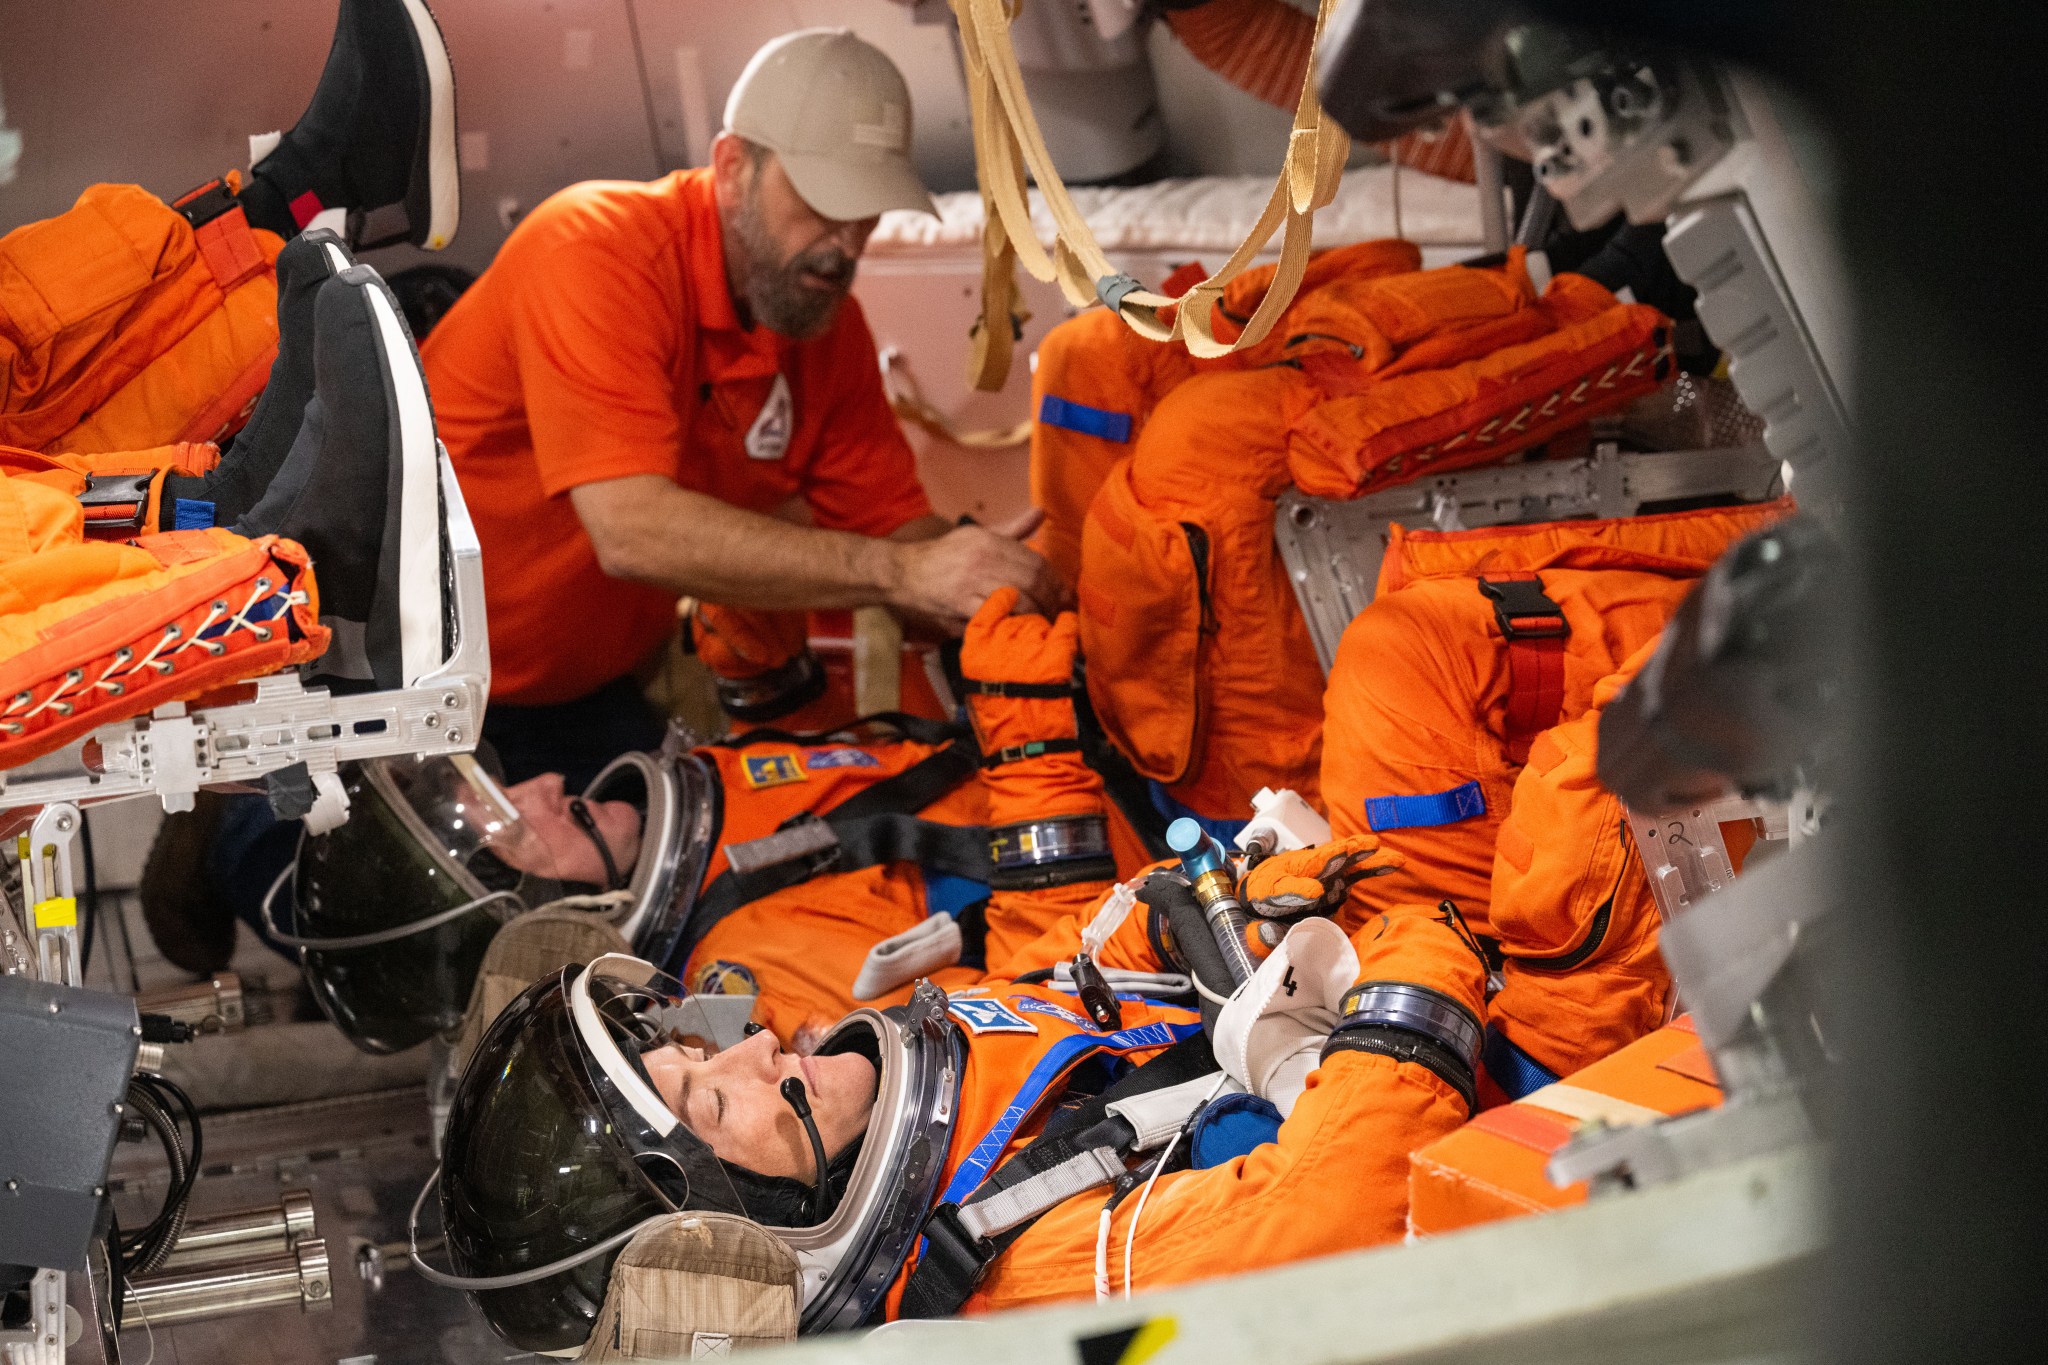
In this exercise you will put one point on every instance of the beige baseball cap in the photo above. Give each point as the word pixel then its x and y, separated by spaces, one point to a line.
pixel 836 113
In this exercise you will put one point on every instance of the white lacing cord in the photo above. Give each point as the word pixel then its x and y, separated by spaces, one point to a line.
pixel 1131 1235
pixel 217 609
pixel 124 662
pixel 171 632
pixel 71 680
pixel 472 1283
pixel 241 618
pixel 377 936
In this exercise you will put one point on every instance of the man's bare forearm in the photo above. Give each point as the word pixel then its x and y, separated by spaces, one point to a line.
pixel 648 530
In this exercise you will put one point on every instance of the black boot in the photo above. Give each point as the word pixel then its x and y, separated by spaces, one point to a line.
pixel 361 491
pixel 380 130
pixel 192 925
pixel 252 461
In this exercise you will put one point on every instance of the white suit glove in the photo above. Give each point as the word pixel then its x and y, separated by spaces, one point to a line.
pixel 1270 1034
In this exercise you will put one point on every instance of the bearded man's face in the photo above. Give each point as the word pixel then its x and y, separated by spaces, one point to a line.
pixel 799 266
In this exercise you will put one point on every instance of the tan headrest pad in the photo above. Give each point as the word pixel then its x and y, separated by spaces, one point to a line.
pixel 698 1285
pixel 537 944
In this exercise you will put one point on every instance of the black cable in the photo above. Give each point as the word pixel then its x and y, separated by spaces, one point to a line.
pixel 585 821
pixel 138 1247
pixel 793 1095
pixel 166 1129
pixel 152 1098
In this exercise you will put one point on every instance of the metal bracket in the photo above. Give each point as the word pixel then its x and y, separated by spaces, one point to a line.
pixel 1615 1159
pixel 49 888
pixel 171 754
pixel 42 1342
pixel 1686 858
pixel 1630 141
pixel 1718 247
pixel 1333 549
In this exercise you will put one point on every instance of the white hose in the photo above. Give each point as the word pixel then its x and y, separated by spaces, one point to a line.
pixel 1131 1235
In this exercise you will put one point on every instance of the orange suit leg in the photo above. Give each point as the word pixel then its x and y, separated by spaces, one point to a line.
pixel 1569 887
pixel 1095 360
pixel 117 332
pixel 1416 705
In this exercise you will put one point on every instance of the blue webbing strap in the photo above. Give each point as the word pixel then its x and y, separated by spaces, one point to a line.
pixel 191 514
pixel 1517 1073
pixel 1054 1064
pixel 1383 813
pixel 1055 411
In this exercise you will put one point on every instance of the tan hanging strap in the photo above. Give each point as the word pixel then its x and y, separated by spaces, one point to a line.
pixel 910 405
pixel 1008 143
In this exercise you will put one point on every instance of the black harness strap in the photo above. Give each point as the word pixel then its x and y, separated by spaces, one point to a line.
pixel 920 729
pixel 985 687
pixel 954 1259
pixel 1123 782
pixel 875 826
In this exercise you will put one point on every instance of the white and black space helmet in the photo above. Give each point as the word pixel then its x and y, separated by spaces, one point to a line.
pixel 558 1149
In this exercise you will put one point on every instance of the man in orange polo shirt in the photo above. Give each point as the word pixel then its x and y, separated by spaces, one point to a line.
pixel 663 389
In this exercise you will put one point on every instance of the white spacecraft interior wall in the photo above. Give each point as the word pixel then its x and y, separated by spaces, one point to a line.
pixel 166 96
pixel 552 92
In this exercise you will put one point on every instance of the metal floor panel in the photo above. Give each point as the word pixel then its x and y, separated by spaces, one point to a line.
pixel 363 1158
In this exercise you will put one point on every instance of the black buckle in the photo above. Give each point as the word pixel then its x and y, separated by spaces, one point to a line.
pixel 949 1269
pixel 1523 611
pixel 1037 748
pixel 206 203
pixel 116 490
pixel 982 687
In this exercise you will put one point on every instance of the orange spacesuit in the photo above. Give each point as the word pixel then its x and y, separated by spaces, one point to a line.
pixel 1095 382
pixel 1200 664
pixel 93 630
pixel 1345 1145
pixel 1431 713
pixel 802 948
pixel 1576 922
pixel 123 327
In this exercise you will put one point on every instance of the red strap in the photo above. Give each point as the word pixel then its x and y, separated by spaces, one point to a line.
pixel 1525 1127
pixel 229 249
pixel 1535 644
pixel 1535 692
pixel 1184 277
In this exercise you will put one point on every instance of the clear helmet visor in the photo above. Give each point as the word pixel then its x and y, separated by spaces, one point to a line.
pixel 460 807
pixel 393 909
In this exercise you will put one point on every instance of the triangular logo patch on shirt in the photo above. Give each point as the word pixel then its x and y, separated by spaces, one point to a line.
pixel 768 438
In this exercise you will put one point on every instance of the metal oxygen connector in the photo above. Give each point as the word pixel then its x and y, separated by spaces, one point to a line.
pixel 1206 866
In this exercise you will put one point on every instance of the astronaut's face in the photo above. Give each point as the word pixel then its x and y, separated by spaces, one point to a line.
pixel 733 1101
pixel 548 841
